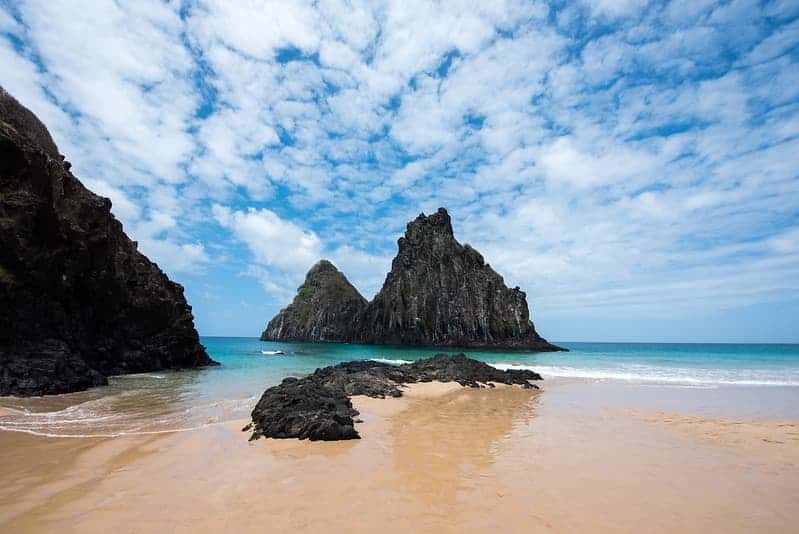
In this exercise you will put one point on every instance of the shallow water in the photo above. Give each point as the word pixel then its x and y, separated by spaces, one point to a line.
pixel 745 380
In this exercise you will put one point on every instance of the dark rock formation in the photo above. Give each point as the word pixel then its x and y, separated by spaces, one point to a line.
pixel 78 302
pixel 318 406
pixel 442 293
pixel 324 309
pixel 439 293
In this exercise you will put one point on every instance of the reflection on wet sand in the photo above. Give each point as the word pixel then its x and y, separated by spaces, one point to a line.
pixel 448 460
pixel 443 448
pixel 130 404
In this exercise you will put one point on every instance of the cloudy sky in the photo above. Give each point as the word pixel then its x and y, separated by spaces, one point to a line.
pixel 632 165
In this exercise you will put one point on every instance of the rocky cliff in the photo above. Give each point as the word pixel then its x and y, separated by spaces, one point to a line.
pixel 78 302
pixel 438 293
pixel 442 293
pixel 324 309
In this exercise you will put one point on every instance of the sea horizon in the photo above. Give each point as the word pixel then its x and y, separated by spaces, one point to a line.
pixel 555 341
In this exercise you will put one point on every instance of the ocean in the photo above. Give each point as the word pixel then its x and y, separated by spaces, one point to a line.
pixel 759 380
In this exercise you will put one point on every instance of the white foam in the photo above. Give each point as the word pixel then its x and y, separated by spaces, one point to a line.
pixel 664 375
pixel 390 362
pixel 138 375
pixel 107 435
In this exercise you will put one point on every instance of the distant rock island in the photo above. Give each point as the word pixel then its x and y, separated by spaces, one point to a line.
pixel 78 301
pixel 438 293
pixel 318 406
pixel 323 310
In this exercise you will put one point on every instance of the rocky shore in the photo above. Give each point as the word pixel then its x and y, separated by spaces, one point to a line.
pixel 318 406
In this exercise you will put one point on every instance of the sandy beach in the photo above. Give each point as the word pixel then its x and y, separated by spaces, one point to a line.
pixel 440 459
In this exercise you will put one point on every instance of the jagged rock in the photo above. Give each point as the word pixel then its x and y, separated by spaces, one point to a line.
pixel 324 309
pixel 78 302
pixel 438 293
pixel 442 293
pixel 318 406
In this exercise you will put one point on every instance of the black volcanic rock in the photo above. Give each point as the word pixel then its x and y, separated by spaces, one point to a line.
pixel 318 406
pixel 438 293
pixel 323 310
pixel 442 293
pixel 78 302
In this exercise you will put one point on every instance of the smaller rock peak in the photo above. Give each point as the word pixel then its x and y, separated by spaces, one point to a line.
pixel 322 266
pixel 423 225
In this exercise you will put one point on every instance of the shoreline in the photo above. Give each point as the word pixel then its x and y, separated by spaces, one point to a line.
pixel 745 402
pixel 440 458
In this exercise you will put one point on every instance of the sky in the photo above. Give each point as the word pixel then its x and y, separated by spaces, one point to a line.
pixel 632 165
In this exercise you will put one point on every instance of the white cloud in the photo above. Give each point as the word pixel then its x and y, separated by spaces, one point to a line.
pixel 7 23
pixel 175 258
pixel 776 44
pixel 616 8
pixel 272 240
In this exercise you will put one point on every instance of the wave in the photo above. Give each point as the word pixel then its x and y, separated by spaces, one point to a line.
pixel 272 352
pixel 653 376
pixel 96 418
pixel 390 362
pixel 106 435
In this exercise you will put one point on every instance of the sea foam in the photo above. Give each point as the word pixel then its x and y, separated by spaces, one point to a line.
pixel 660 375
pixel 390 361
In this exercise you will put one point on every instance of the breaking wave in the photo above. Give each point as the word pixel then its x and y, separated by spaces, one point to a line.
pixel 390 361
pixel 662 375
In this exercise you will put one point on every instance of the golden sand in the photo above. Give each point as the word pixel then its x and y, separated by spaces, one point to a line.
pixel 772 441
pixel 439 459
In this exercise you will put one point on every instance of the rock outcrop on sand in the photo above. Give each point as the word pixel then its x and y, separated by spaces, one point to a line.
pixel 325 309
pixel 438 293
pixel 318 406
pixel 78 302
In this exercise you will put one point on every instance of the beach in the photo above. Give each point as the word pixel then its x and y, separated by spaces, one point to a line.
pixel 441 458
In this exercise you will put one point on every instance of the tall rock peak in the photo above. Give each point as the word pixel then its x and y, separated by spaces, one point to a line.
pixel 78 302
pixel 324 309
pixel 425 226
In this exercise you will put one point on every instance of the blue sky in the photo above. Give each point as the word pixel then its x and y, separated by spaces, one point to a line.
pixel 632 165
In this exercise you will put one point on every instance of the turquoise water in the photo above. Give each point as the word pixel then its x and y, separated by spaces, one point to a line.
pixel 689 364
pixel 767 375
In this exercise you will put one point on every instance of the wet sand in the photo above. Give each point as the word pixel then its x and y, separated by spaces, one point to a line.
pixel 440 459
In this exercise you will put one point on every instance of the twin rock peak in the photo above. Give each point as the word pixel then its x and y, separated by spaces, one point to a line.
pixel 438 293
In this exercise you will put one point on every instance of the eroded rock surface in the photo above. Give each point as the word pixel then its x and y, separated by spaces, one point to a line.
pixel 318 406
pixel 78 301
pixel 442 293
pixel 325 309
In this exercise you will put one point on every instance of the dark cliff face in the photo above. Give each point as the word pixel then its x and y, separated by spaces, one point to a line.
pixel 324 309
pixel 442 293
pixel 78 302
